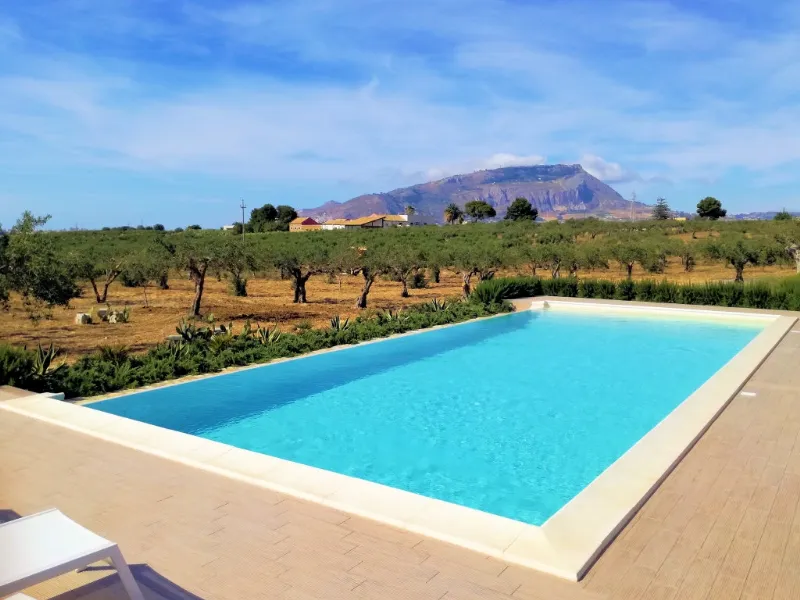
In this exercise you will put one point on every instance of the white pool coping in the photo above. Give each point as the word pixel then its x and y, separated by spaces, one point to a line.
pixel 566 545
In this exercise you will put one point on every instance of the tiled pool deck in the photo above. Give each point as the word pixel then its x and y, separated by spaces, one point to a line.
pixel 722 525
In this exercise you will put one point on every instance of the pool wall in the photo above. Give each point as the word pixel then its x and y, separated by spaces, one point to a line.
pixel 565 545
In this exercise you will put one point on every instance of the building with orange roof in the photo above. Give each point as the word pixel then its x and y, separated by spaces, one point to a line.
pixel 304 224
pixel 377 221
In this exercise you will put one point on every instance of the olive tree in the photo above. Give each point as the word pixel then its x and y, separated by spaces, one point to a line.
pixel 627 254
pixel 555 255
pixel 236 258
pixel 532 255
pixel 584 256
pixel 739 251
pixel 100 264
pixel 35 268
pixel 369 258
pixel 405 259
pixel 195 253
pixel 300 257
pixel 469 258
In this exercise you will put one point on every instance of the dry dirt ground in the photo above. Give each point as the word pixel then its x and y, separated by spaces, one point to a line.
pixel 268 302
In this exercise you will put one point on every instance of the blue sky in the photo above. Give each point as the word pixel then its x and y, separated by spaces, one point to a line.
pixel 170 111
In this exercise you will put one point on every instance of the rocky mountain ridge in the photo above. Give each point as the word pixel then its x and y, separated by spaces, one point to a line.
pixel 557 191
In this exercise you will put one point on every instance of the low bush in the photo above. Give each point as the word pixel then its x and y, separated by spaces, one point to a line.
pixel 111 369
pixel 596 288
pixel 782 296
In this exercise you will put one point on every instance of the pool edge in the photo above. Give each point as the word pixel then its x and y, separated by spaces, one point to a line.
pixel 566 545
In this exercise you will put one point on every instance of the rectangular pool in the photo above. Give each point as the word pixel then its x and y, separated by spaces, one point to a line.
pixel 513 415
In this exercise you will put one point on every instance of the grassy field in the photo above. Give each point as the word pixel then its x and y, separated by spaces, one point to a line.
pixel 269 301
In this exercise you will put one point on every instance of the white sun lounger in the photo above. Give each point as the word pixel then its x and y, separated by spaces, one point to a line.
pixel 38 547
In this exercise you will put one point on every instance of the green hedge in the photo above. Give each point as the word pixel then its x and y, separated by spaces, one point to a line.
pixel 747 295
pixel 111 369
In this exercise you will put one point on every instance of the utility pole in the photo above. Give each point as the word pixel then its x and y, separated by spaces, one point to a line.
pixel 243 207
pixel 633 201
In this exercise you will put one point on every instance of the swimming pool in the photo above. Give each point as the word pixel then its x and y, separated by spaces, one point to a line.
pixel 512 416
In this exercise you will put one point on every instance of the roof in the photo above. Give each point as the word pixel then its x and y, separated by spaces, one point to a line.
pixel 337 222
pixel 365 220
pixel 396 218
pixel 303 221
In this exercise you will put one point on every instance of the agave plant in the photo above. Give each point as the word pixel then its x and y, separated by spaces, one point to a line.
pixel 122 377
pixel 247 330
pixel 436 305
pixel 189 332
pixel 114 354
pixel 177 350
pixel 393 316
pixel 43 361
pixel 267 335
pixel 337 324
pixel 220 342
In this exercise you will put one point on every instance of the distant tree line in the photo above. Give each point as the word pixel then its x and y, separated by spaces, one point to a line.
pixel 46 268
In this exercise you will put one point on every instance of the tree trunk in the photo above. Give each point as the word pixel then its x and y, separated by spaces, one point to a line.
pixel 404 293
pixel 533 270
pixel 300 286
pixel 163 281
pixel 465 287
pixel 794 252
pixel 369 278
pixel 555 272
pixel 111 276
pixel 629 269
pixel 198 276
pixel 435 274
pixel 100 299
pixel 105 291
pixel 739 273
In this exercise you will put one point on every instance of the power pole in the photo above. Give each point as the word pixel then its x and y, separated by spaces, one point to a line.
pixel 633 201
pixel 243 207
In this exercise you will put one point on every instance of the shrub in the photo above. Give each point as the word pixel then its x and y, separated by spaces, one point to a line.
pixel 239 287
pixel 644 290
pixel 606 289
pixel 418 281
pixel 566 287
pixel 304 325
pixel 626 290
pixel 492 291
pixel 16 366
pixel 690 294
pixel 111 369
pixel 596 288
pixel 666 291
pixel 758 295
pixel 132 278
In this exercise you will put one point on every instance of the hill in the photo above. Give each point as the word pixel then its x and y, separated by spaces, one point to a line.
pixel 555 190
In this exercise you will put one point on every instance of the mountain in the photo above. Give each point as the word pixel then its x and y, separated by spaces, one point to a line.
pixel 557 191
pixel 760 216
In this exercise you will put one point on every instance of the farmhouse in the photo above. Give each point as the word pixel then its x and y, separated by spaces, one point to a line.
pixel 376 221
pixel 304 224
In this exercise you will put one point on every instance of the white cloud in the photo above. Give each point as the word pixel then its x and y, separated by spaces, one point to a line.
pixel 610 172
pixel 512 160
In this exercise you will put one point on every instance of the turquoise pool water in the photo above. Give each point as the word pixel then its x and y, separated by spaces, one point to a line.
pixel 513 415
